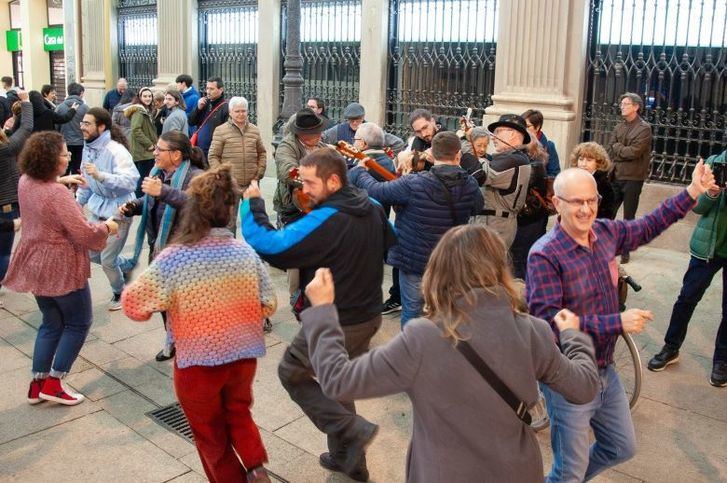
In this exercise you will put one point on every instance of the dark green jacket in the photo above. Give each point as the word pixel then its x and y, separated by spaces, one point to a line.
pixel 704 237
pixel 143 133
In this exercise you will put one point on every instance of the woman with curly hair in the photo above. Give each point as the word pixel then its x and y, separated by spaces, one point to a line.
pixel 475 309
pixel 52 262
pixel 217 293
pixel 593 158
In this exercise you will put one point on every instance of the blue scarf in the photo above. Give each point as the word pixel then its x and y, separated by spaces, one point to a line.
pixel 167 218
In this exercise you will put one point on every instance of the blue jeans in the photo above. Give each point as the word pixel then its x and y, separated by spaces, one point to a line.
pixel 607 414
pixel 109 256
pixel 412 301
pixel 696 281
pixel 66 322
pixel 6 240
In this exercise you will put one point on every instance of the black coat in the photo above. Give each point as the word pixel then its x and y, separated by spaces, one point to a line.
pixel 607 207
pixel 45 119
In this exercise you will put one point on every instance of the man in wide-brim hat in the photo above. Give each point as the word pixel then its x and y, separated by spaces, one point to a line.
pixel 508 176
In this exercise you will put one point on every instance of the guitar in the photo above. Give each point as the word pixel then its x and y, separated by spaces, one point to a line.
pixel 301 200
pixel 465 124
pixel 348 150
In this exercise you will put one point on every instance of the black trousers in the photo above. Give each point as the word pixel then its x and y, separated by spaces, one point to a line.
pixel 628 193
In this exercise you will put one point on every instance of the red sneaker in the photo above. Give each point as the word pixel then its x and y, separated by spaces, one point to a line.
pixel 34 391
pixel 54 391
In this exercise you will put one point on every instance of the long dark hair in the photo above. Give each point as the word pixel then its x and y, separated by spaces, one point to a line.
pixel 179 141
pixel 211 196
pixel 102 116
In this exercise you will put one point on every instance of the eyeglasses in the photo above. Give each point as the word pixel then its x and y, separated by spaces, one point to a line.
pixel 157 148
pixel 87 123
pixel 577 203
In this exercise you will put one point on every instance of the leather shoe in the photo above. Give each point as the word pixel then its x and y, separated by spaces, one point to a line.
pixel 161 356
pixel 718 378
pixel 327 461
pixel 666 356
pixel 356 447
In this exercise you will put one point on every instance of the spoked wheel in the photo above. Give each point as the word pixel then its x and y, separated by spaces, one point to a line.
pixel 628 365
pixel 539 414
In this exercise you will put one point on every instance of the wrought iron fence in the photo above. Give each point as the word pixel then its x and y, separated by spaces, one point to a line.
pixel 228 36
pixel 674 55
pixel 330 44
pixel 137 34
pixel 442 58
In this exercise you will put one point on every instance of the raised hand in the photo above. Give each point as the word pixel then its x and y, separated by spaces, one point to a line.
pixel 321 291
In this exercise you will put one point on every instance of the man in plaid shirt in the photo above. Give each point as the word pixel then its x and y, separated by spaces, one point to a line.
pixel 572 267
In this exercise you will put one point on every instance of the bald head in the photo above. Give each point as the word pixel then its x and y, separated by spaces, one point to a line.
pixel 571 178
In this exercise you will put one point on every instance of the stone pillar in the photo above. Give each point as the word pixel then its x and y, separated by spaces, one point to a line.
pixel 177 50
pixel 36 62
pixel 268 73
pixel 71 40
pixel 100 49
pixel 374 58
pixel 541 52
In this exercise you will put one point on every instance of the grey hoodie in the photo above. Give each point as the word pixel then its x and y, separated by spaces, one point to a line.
pixel 72 130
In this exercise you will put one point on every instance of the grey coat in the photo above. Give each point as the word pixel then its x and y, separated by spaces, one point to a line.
pixel 463 430
pixel 72 130
pixel 176 121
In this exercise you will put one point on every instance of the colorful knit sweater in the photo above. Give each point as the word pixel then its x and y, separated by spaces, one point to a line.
pixel 216 294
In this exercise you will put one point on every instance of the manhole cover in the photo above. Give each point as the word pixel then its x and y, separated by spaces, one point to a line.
pixel 173 419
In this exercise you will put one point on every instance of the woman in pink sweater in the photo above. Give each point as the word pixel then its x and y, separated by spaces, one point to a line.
pixel 51 261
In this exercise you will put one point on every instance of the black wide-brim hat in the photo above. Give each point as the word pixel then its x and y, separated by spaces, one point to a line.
pixel 513 121
pixel 307 122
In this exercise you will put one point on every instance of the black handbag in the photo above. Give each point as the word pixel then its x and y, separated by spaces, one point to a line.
pixel 520 408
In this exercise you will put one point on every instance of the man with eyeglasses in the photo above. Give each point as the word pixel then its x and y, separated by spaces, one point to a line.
pixel 571 267
pixel 630 152
pixel 110 181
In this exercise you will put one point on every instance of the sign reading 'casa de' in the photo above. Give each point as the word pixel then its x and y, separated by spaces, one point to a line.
pixel 53 38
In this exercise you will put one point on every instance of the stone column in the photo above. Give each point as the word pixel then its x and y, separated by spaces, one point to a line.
pixel 100 49
pixel 71 39
pixel 177 50
pixel 268 73
pixel 541 52
pixel 374 58
pixel 36 63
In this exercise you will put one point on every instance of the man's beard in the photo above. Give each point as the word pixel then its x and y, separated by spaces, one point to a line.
pixel 322 199
pixel 92 138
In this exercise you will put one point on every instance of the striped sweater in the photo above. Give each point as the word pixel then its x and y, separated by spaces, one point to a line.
pixel 216 294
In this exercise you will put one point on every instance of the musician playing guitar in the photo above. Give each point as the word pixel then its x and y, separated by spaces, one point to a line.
pixel 369 139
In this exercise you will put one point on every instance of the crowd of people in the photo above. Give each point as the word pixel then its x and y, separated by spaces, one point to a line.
pixel 469 219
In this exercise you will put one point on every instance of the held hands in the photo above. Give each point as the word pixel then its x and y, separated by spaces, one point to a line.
pixel 252 191
pixel 126 209
pixel 152 186
pixel 565 319
pixel 702 181
pixel 112 226
pixel 73 179
pixel 634 320
pixel 320 290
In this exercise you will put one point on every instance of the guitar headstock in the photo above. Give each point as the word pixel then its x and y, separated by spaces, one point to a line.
pixel 349 150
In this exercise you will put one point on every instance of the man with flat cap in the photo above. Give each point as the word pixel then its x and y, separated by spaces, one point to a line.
pixel 508 176
pixel 354 115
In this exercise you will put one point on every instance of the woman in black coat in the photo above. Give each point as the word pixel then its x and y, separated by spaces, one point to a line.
pixel 593 158
pixel 45 119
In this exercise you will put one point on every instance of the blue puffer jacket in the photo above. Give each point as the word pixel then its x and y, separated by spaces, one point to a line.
pixel 424 213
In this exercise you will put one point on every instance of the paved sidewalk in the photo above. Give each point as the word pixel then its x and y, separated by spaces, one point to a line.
pixel 681 421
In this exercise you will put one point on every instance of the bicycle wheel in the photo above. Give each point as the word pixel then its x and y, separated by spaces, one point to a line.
pixel 539 414
pixel 628 365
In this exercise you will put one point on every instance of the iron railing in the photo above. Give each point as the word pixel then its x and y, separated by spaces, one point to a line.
pixel 228 36
pixel 137 34
pixel 674 55
pixel 442 58
pixel 330 44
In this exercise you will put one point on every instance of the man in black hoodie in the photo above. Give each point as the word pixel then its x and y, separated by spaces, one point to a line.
pixel 349 234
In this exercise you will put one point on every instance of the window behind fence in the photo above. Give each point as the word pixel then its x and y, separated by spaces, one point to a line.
pixel 137 34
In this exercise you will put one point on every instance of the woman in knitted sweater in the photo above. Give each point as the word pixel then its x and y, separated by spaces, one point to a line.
pixel 216 292
pixel 55 234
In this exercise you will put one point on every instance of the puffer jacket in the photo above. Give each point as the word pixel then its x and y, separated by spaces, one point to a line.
pixel 143 133
pixel 424 213
pixel 703 243
pixel 244 150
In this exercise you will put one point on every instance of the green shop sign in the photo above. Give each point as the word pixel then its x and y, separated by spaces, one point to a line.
pixel 13 40
pixel 53 38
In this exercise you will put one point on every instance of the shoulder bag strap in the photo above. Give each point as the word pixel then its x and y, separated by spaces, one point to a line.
pixel 520 408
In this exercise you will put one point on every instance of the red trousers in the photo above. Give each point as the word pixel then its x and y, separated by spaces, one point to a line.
pixel 217 402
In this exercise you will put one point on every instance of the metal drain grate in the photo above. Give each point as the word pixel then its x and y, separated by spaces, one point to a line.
pixel 173 419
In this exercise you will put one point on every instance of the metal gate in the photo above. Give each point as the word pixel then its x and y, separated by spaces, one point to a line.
pixel 137 33
pixel 330 44
pixel 228 36
pixel 441 58
pixel 673 54
pixel 58 74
